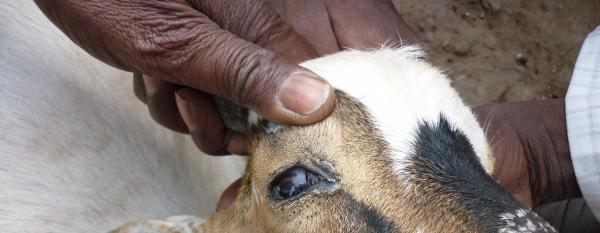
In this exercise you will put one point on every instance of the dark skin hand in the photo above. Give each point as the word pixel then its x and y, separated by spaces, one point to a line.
pixel 532 158
pixel 239 50
pixel 184 52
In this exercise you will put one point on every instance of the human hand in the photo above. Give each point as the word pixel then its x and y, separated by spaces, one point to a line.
pixel 531 150
pixel 315 20
pixel 213 46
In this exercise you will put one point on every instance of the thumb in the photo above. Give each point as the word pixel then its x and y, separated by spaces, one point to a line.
pixel 253 77
pixel 174 41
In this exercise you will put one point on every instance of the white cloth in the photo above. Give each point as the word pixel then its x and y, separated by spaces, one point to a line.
pixel 583 120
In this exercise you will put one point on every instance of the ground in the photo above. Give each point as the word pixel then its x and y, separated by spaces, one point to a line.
pixel 503 50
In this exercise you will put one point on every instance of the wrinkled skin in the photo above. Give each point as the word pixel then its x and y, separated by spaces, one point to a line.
pixel 532 150
pixel 211 46
pixel 175 43
pixel 315 26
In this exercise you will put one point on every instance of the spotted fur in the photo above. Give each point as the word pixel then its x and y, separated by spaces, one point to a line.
pixel 523 221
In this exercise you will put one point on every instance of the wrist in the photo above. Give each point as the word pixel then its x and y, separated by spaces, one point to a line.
pixel 546 148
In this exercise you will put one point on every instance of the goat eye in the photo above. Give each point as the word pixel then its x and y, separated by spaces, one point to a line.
pixel 294 181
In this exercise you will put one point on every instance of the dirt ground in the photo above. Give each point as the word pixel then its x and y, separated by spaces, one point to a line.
pixel 503 50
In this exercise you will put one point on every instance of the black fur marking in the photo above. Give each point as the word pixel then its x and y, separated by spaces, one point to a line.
pixel 445 157
pixel 361 213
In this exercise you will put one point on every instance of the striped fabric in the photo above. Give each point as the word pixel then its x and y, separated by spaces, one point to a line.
pixel 583 120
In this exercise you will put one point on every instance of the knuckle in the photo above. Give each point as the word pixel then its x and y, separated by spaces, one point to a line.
pixel 171 45
pixel 251 76
pixel 209 140
pixel 209 147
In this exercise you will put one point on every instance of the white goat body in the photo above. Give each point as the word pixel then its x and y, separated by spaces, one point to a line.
pixel 78 151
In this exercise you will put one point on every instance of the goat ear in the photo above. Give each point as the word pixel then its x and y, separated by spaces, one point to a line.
pixel 234 117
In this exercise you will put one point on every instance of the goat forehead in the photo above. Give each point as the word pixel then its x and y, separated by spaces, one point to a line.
pixel 400 91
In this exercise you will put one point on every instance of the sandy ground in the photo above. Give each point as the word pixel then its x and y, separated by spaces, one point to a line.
pixel 503 50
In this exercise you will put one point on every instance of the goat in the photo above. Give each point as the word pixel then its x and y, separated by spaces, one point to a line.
pixel 400 153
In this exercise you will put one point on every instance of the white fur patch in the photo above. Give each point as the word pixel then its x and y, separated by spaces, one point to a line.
pixel 523 221
pixel 253 118
pixel 400 90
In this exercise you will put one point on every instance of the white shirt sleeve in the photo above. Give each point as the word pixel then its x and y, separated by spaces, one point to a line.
pixel 583 120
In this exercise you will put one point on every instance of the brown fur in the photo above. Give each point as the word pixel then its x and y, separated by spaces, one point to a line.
pixel 349 144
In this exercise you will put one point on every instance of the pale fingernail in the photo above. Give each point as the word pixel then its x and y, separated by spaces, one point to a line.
pixel 185 112
pixel 304 93
pixel 150 84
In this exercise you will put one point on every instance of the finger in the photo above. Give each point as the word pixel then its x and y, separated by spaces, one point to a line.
pixel 355 23
pixel 229 195
pixel 238 144
pixel 382 23
pixel 173 41
pixel 160 98
pixel 257 22
pixel 201 116
pixel 138 87
pixel 311 19
pixel 267 30
pixel 256 78
pixel 186 47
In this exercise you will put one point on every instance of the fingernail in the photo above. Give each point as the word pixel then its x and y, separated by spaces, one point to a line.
pixel 184 110
pixel 304 93
pixel 150 84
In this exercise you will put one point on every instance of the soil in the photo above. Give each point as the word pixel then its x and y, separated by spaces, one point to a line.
pixel 503 50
